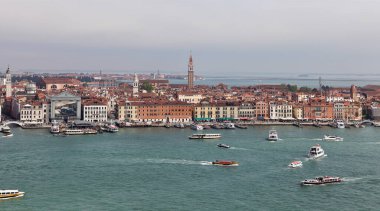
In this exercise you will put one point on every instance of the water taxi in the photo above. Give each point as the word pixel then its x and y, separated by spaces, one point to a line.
pixel 321 180
pixel 7 135
pixel 332 138
pixel 111 129
pixel 196 127
pixel 229 125
pixel 273 136
pixel 90 131
pixel 6 129
pixel 295 164
pixel 340 124
pixel 225 163
pixel 8 194
pixel 74 132
pixel 316 152
pixel 205 136
pixel 223 146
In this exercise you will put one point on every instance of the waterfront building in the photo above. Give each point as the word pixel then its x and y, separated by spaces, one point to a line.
pixel 131 111
pixel 318 109
pixel 339 112
pixel 94 110
pixel 262 110
pixel 65 106
pixel 160 111
pixel 120 110
pixel 34 112
pixel 375 112
pixel 219 111
pixel 281 111
pixel 247 111
pixel 190 73
pixel 189 97
pixel 298 112
pixel 58 84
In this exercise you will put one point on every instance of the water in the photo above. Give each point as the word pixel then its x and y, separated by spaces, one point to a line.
pixel 160 169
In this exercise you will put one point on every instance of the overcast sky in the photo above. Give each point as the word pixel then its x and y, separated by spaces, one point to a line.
pixel 225 36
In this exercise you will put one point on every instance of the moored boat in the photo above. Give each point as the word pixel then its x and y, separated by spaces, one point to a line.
pixel 225 163
pixel 54 127
pixel 321 180
pixel 74 132
pixel 340 124
pixel 241 126
pixel 205 136
pixel 223 146
pixel 196 127
pixel 273 136
pixel 229 125
pixel 8 194
pixel 111 128
pixel 316 152
pixel 295 164
pixel 332 138
pixel 216 126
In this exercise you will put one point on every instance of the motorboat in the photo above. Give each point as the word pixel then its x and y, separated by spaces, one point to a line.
pixel 6 129
pixel 7 135
pixel 223 146
pixel 316 152
pixel 241 126
pixel 8 194
pixel 225 163
pixel 206 127
pixel 340 124
pixel 179 125
pixel 273 136
pixel 74 132
pixel 229 125
pixel 295 164
pixel 216 126
pixel 90 131
pixel 205 136
pixel 332 138
pixel 54 127
pixel 196 127
pixel 321 180
pixel 111 128
pixel 376 124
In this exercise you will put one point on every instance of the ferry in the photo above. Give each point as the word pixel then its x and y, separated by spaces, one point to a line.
pixel 295 164
pixel 8 194
pixel 332 138
pixel 273 136
pixel 205 136
pixel 223 146
pixel 74 132
pixel 316 152
pixel 321 180
pixel 225 163
pixel 196 127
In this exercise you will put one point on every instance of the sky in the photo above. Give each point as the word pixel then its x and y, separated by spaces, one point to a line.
pixel 226 37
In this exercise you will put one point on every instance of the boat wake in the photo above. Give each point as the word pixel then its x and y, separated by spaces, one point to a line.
pixel 181 162
pixel 351 179
pixel 238 148
pixel 307 158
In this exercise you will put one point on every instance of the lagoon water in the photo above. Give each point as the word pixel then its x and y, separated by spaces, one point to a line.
pixel 160 169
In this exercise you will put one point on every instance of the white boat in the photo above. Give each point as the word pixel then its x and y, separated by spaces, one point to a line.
pixel 340 124
pixel 229 125
pixel 6 129
pixel 90 131
pixel 196 127
pixel 7 135
pixel 74 132
pixel 8 194
pixel 273 136
pixel 223 146
pixel 376 124
pixel 54 127
pixel 316 152
pixel 205 136
pixel 332 138
pixel 295 164
pixel 111 129
pixel 321 180
pixel 179 125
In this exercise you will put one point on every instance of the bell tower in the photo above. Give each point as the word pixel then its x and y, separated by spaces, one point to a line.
pixel 190 73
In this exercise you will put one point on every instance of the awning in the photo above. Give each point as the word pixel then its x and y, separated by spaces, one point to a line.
pixel 202 119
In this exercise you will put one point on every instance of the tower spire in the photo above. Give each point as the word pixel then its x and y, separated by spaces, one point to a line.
pixel 190 73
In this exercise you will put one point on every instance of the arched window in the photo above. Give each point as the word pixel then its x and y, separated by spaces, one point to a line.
pixel 53 86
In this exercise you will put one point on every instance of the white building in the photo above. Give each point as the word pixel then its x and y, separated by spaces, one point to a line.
pixel 281 110
pixel 189 97
pixel 94 110
pixel 33 113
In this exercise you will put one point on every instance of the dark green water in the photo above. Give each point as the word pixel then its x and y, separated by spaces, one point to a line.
pixel 160 169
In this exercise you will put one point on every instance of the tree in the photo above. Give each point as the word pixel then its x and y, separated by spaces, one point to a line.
pixel 147 86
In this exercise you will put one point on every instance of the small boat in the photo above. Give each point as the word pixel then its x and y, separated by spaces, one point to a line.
pixel 273 136
pixel 205 136
pixel 167 126
pixel 340 124
pixel 196 127
pixel 111 129
pixel 332 138
pixel 321 180
pixel 229 125
pixel 8 194
pixel 6 129
pixel 205 127
pixel 54 128
pixel 241 126
pixel 216 126
pixel 223 146
pixel 295 164
pixel 179 125
pixel 225 163
pixel 7 135
pixel 90 131
pixel 316 152
pixel 376 124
